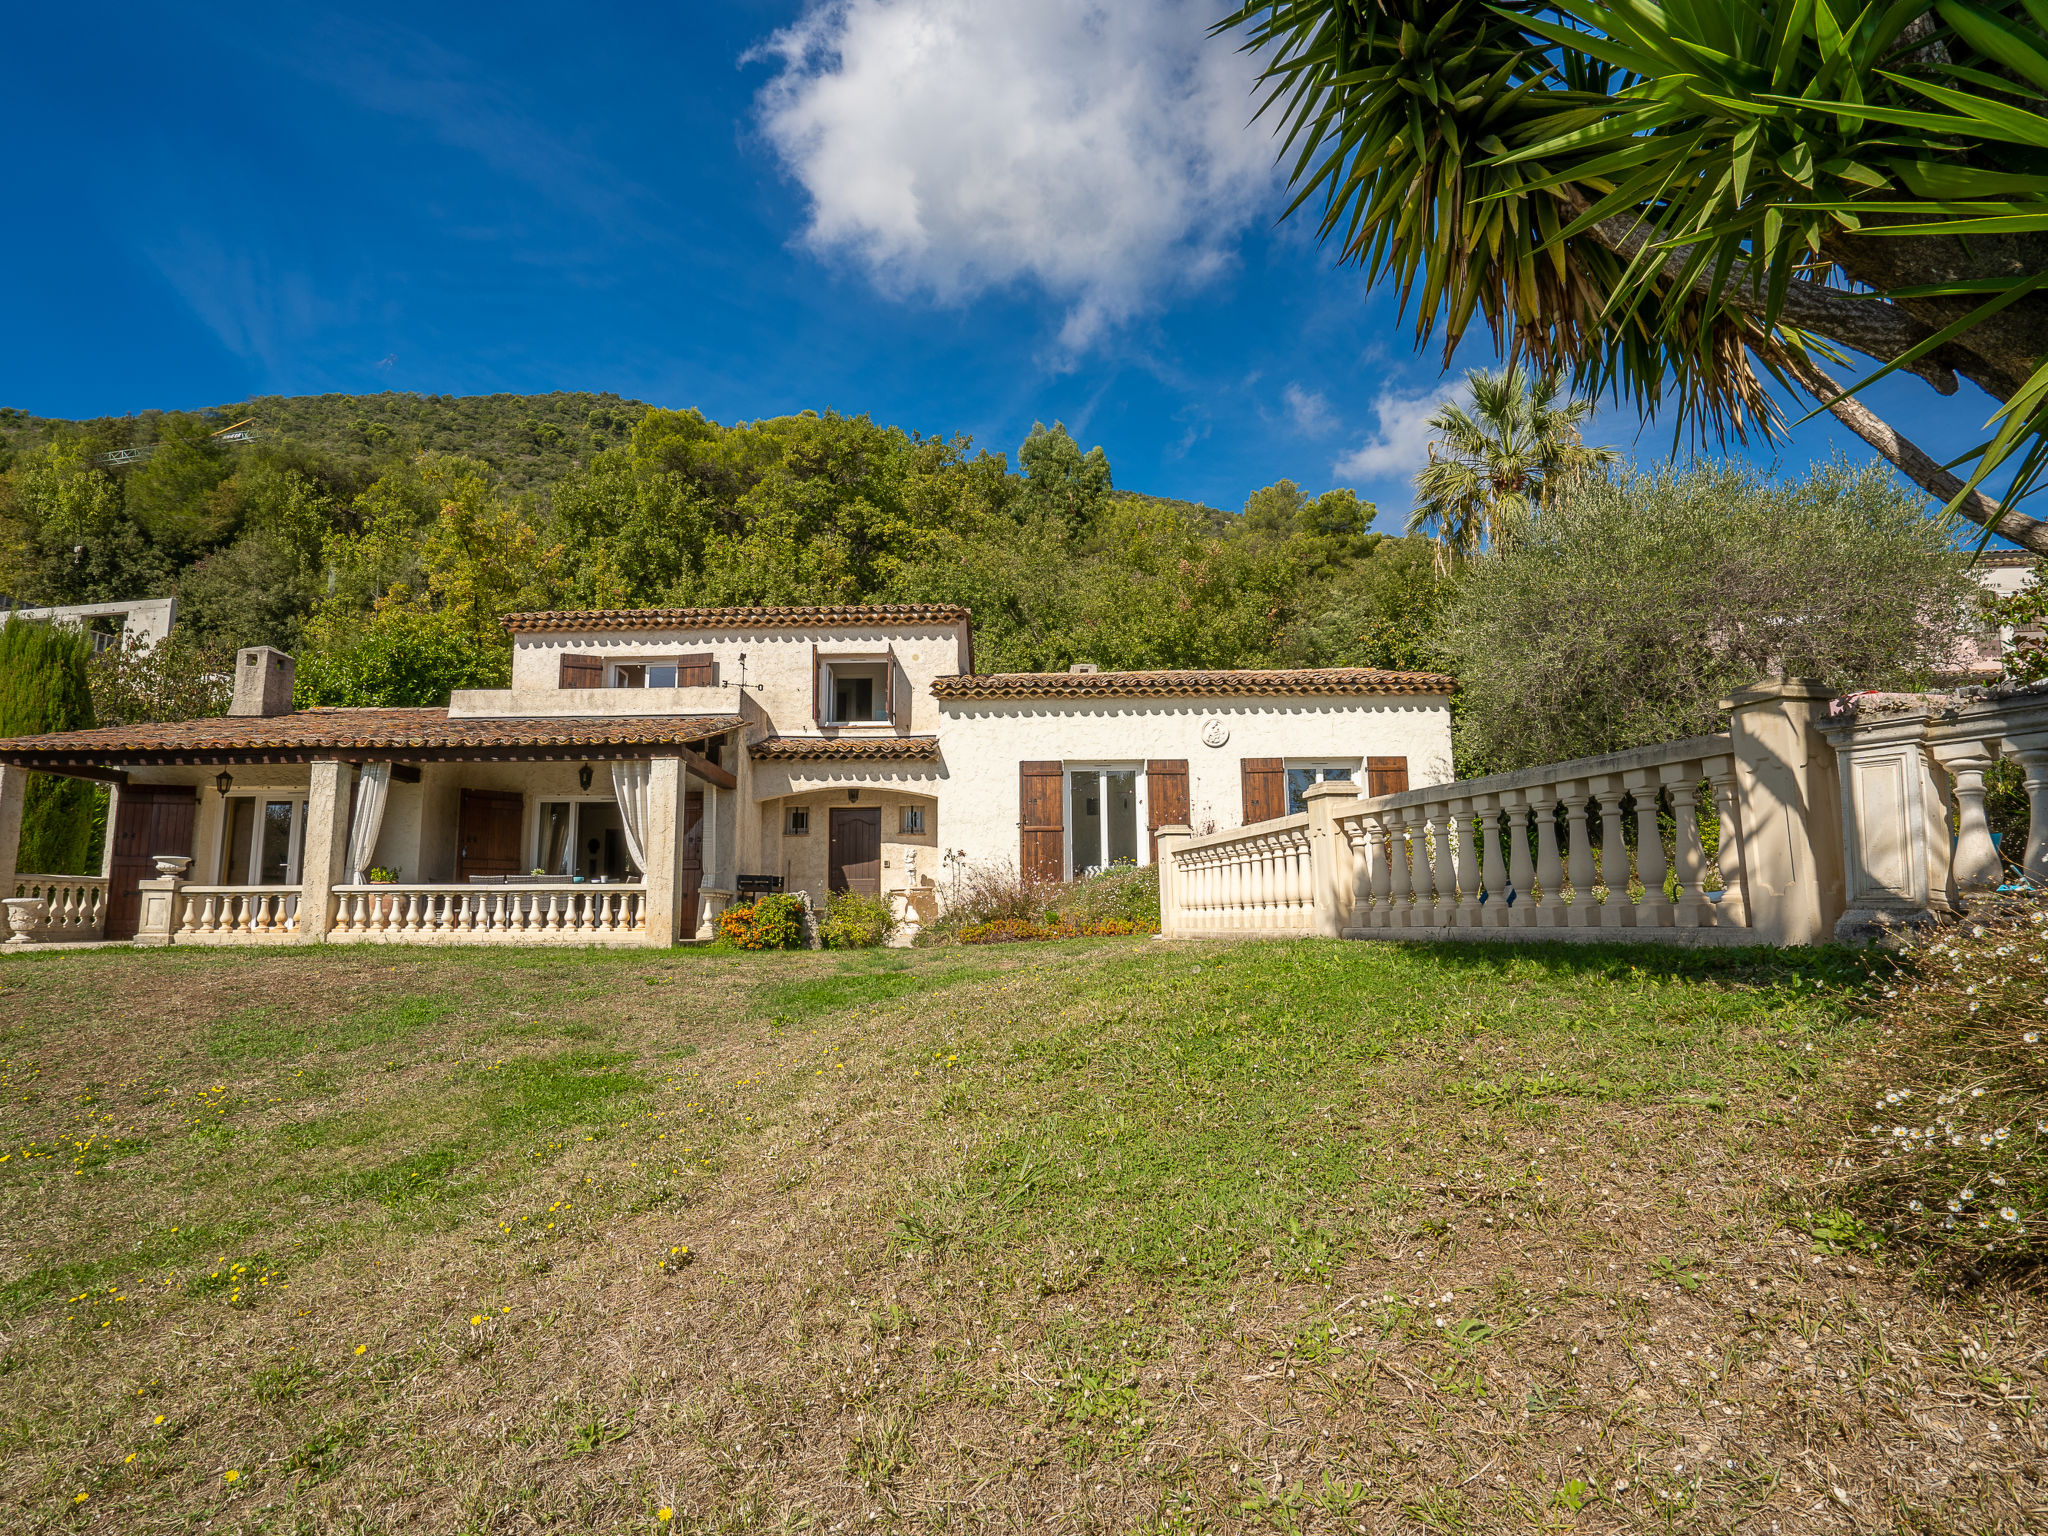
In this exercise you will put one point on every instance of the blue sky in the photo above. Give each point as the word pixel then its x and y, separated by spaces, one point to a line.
pixel 954 215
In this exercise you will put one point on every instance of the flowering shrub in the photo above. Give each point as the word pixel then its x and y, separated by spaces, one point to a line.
pixel 772 922
pixel 854 921
pixel 1956 1157
pixel 998 905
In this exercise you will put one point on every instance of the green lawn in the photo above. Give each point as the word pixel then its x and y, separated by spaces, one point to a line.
pixel 1109 1235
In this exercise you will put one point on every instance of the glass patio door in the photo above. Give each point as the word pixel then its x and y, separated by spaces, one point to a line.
pixel 1104 818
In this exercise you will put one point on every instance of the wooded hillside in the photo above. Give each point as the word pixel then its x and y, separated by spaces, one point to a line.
pixel 381 537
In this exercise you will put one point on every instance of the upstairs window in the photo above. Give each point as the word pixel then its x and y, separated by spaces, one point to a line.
pixel 856 691
pixel 668 672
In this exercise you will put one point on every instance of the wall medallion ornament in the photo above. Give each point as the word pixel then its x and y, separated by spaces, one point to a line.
pixel 1214 733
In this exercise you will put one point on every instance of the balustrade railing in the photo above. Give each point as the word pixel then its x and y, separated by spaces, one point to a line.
pixel 463 914
pixel 1249 880
pixel 75 906
pixel 1598 843
pixel 235 914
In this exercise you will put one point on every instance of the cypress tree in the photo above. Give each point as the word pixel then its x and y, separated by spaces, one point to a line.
pixel 44 687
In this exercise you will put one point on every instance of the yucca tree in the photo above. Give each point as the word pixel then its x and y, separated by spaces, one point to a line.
pixel 1671 199
pixel 1491 467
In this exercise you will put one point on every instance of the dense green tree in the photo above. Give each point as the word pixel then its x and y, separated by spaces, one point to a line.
pixel 1676 199
pixel 1635 603
pixel 1491 467
pixel 67 534
pixel 175 494
pixel 44 687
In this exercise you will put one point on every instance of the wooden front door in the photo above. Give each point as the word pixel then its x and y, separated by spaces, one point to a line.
pixel 691 870
pixel 1041 829
pixel 151 819
pixel 857 850
pixel 488 833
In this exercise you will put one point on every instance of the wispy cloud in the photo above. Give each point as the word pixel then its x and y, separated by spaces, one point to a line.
pixel 1309 410
pixel 1097 151
pixel 260 314
pixel 1399 443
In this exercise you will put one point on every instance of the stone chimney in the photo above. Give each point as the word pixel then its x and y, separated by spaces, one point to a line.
pixel 263 682
pixel 1084 666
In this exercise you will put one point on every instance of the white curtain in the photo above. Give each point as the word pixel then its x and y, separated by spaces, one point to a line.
pixel 630 782
pixel 373 786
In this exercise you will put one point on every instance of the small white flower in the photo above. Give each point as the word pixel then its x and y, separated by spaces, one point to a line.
pixel 2032 1037
pixel 2007 1213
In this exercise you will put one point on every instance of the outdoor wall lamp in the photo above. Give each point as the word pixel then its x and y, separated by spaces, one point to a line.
pixel 224 781
pixel 583 776
pixel 852 796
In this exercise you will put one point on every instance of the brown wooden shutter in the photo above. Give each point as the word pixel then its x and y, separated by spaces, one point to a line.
pixel 1265 789
pixel 1166 797
pixel 582 671
pixel 817 688
pixel 695 671
pixel 1385 776
pixel 1039 824
pixel 889 685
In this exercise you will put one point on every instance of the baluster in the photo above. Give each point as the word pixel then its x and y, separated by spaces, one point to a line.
pixel 1400 878
pixel 1976 856
pixel 1364 867
pixel 1492 874
pixel 555 919
pixel 1694 910
pixel 1468 865
pixel 1585 912
pixel 1732 910
pixel 1548 909
pixel 1442 906
pixel 1380 871
pixel 1619 912
pixel 1522 912
pixel 1651 865
pixel 2032 751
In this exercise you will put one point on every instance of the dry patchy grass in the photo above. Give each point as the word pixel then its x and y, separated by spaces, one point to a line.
pixel 1104 1236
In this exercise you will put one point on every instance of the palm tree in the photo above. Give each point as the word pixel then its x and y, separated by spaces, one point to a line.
pixel 1492 467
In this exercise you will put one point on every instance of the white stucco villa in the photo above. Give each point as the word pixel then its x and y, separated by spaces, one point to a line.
pixel 647 766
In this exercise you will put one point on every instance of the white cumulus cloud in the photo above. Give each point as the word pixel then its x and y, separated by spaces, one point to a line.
pixel 1100 151
pixel 1399 443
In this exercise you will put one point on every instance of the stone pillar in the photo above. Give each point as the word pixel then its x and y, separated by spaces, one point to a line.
pixel 1976 856
pixel 1329 854
pixel 1895 837
pixel 1789 791
pixel 159 920
pixel 13 794
pixel 1173 920
pixel 322 863
pixel 113 821
pixel 664 839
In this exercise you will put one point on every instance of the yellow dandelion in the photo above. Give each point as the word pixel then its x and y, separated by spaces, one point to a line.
pixel 159 1419
pixel 477 1320
pixel 230 1476
pixel 81 1498
pixel 663 1514
pixel 362 1348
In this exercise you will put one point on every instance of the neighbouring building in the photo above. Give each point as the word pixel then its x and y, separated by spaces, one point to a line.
pixel 144 621
pixel 645 767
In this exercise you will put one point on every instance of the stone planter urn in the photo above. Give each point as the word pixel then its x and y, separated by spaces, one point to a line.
pixel 25 918
pixel 171 866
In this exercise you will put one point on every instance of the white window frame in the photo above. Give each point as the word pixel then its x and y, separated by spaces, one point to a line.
pixel 540 822
pixel 295 839
pixel 1353 769
pixel 910 821
pixel 885 665
pixel 1068 820
pixel 789 816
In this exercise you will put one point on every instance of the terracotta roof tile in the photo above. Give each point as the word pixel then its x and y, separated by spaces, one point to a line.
pixel 398 731
pixel 842 616
pixel 788 749
pixel 1294 681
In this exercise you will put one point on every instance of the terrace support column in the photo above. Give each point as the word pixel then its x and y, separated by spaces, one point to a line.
pixel 1172 879
pixel 13 794
pixel 326 851
pixel 664 837
pixel 1790 792
pixel 1331 880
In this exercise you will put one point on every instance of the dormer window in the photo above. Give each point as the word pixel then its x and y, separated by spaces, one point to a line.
pixel 856 690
